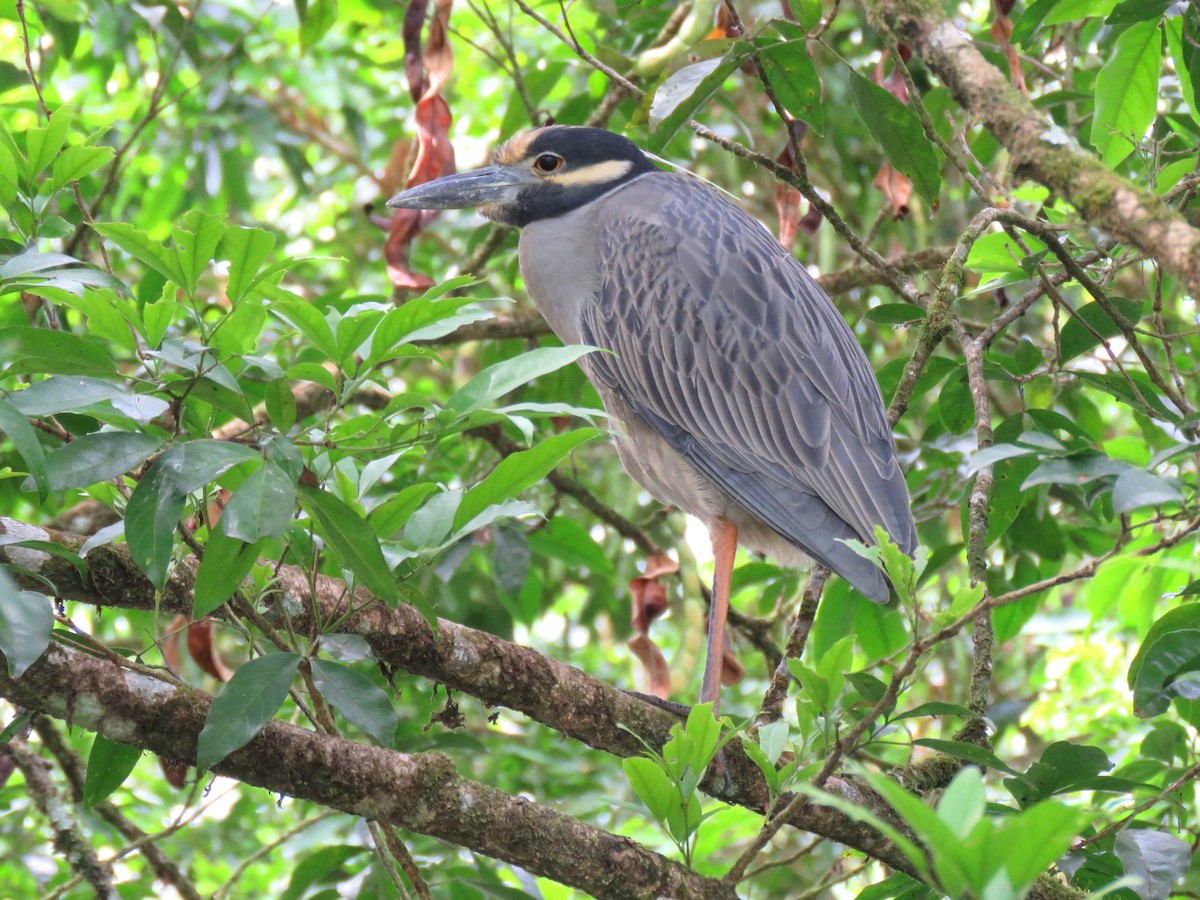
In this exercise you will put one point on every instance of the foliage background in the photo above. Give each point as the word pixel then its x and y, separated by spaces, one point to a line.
pixel 1054 461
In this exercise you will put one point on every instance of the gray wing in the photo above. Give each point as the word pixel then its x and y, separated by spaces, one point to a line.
pixel 727 348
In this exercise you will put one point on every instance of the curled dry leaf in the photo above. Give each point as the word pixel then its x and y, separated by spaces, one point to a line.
pixel 649 602
pixel 658 675
pixel 1001 29
pixel 649 599
pixel 427 70
pixel 896 187
pixel 174 772
pixel 787 198
pixel 204 652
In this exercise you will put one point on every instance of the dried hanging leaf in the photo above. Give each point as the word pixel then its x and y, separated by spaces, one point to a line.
pixel 787 198
pixel 649 599
pixel 426 71
pixel 174 772
pixel 658 675
pixel 202 650
pixel 896 187
pixel 1002 28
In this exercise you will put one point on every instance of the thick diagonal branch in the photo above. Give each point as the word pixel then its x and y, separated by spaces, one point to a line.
pixel 477 663
pixel 421 792
pixel 1041 150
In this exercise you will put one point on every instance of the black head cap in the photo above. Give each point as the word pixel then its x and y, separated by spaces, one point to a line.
pixel 571 166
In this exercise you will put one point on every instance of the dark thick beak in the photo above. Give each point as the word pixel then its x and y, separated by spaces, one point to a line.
pixel 492 184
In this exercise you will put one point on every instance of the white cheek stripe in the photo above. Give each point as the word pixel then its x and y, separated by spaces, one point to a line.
pixel 597 173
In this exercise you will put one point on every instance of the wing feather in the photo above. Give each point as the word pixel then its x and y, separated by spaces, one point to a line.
pixel 733 354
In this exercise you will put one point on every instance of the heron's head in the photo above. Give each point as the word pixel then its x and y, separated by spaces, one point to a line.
pixel 537 175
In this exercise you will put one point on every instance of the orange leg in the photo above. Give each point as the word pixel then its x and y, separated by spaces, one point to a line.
pixel 724 541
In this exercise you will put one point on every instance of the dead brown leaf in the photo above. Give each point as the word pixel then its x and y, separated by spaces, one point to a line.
pixel 426 70
pixel 896 187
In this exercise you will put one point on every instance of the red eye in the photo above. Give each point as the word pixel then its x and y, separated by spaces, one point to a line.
pixel 548 162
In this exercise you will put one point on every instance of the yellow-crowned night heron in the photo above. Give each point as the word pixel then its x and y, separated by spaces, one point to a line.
pixel 743 396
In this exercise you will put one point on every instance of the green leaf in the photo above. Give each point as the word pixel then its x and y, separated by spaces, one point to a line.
pixel 26 620
pixel 678 97
pixel 652 786
pixel 1063 765
pixel 955 406
pixel 157 502
pixel 43 144
pixel 1074 470
pixel 1130 11
pixel 1168 667
pixel 318 866
pixel 151 515
pixel 1156 859
pixel 895 313
pixel 358 698
pixel 352 538
pixel 261 507
pixel 497 380
pixel 109 764
pixel 196 240
pixel 899 132
pixel 63 393
pixel 1184 616
pixel 1038 837
pixel 791 74
pixel 155 254
pixel 77 162
pixel 969 752
pixel 317 18
pixel 39 350
pixel 28 444
pixel 246 249
pixel 225 565
pixel 309 322
pixel 1127 92
pixel 997 253
pixel 1076 337
pixel 94 458
pixel 570 541
pixel 247 702
pixel 963 802
pixel 281 404
pixel 519 471
pixel 1137 488
pixel 935 708
pixel 1029 21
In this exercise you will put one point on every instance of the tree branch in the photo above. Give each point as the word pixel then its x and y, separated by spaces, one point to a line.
pixel 421 792
pixel 1041 150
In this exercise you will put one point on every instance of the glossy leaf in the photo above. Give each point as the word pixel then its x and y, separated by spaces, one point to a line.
pixel 497 380
pixel 26 620
pixel 246 703
pixel 93 458
pixel 1127 92
pixel 39 351
pixel 357 697
pixel 225 565
pixel 63 393
pixel 520 471
pixel 23 436
pixel 1077 337
pixel 1156 859
pixel 353 540
pixel 109 764
pixel 262 506
pixel 899 132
